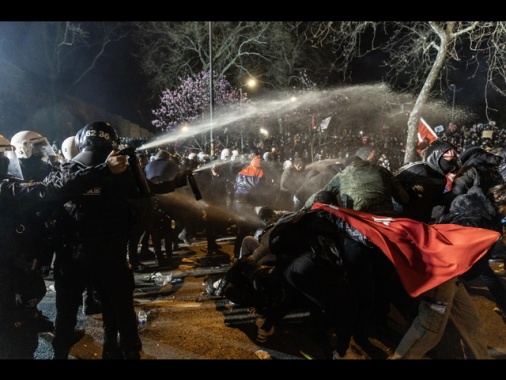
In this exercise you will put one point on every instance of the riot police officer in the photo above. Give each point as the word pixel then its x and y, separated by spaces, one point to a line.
pixel 95 229
pixel 21 285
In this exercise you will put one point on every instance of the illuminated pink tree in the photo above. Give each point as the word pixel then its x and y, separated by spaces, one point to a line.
pixel 190 101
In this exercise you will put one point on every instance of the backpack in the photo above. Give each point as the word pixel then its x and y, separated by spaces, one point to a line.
pixel 288 233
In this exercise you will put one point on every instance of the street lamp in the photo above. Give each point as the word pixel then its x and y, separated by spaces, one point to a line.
pixel 250 83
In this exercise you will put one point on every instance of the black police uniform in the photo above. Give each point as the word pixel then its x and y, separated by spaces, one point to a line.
pixel 21 286
pixel 94 230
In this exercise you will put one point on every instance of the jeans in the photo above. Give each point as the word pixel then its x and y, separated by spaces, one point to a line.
pixel 448 300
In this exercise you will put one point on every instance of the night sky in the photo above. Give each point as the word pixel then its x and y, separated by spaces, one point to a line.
pixel 117 85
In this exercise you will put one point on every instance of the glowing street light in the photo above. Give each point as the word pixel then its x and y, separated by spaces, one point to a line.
pixel 250 83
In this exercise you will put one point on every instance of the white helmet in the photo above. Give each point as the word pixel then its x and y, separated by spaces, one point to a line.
pixel 9 163
pixel 192 156
pixel 268 157
pixel 225 153
pixel 28 143
pixel 69 148
pixel 287 164
pixel 204 157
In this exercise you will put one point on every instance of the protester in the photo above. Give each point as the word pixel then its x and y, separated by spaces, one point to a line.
pixel 366 186
pixel 214 184
pixel 410 245
pixel 291 179
pixel 426 182
pixel 475 209
pixel 251 188
pixel 308 273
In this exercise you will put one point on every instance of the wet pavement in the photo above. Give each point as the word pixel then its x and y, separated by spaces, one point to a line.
pixel 184 322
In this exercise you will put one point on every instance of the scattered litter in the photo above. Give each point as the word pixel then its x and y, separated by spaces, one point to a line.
pixel 263 355
pixel 308 357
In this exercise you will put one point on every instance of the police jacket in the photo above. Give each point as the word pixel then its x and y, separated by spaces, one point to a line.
pixel 20 202
pixel 34 168
pixel 105 207
pixel 22 231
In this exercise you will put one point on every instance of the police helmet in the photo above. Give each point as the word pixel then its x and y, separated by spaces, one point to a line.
pixel 68 147
pixel 225 154
pixel 30 143
pixel 97 136
pixel 9 163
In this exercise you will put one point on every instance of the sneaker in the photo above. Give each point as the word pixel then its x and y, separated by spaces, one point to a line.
pixel 262 334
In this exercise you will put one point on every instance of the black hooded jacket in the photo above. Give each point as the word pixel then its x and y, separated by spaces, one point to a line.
pixel 481 168
pixel 428 174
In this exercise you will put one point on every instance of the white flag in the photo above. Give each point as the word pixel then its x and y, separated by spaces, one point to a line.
pixel 325 123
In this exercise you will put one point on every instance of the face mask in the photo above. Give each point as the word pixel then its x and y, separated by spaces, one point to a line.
pixel 448 165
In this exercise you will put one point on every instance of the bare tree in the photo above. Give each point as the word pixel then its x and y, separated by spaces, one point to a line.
pixel 420 55
pixel 48 60
pixel 275 53
pixel 60 53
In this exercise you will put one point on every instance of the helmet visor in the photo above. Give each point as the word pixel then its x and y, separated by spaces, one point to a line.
pixel 41 147
pixel 9 164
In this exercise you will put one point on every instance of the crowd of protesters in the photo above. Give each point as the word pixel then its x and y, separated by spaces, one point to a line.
pixel 389 142
pixel 272 171
pixel 336 264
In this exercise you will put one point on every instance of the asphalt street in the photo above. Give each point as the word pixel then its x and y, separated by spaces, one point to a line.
pixel 184 322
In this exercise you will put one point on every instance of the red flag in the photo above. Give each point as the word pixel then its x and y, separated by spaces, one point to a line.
pixel 425 135
pixel 424 255
pixel 425 132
